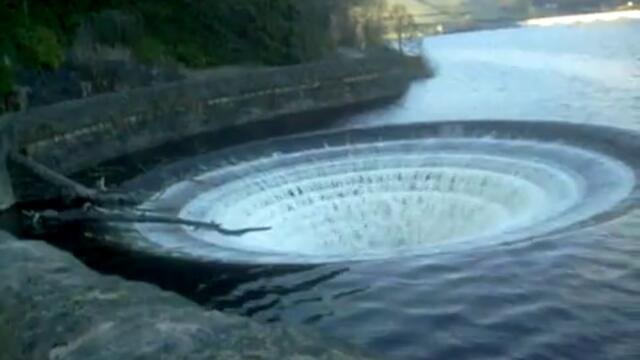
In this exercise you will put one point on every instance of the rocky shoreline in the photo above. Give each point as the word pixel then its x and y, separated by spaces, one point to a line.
pixel 53 307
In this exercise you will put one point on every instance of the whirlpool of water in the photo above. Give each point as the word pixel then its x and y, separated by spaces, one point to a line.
pixel 391 191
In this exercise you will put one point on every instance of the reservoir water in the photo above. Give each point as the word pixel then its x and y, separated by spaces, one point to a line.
pixel 571 297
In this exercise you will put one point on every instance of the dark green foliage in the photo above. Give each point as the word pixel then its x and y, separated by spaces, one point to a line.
pixel 38 47
pixel 196 33
pixel 214 32
pixel 149 50
pixel 203 33
pixel 6 79
pixel 114 27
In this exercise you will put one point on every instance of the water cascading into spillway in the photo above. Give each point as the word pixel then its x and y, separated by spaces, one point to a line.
pixel 391 191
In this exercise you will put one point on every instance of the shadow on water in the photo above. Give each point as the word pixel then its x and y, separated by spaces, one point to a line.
pixel 207 283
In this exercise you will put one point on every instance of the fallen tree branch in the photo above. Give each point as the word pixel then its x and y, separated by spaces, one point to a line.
pixel 91 214
pixel 77 190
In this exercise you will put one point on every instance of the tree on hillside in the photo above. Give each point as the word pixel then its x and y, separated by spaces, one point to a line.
pixel 316 24
pixel 374 29
pixel 6 84
pixel 41 35
pixel 404 27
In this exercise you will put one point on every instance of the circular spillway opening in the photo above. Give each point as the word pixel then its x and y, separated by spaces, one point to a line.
pixel 386 192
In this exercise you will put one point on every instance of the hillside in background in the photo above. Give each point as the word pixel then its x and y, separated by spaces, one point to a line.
pixel 38 37
pixel 453 15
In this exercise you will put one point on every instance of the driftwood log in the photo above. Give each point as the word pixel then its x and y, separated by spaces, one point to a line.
pixel 77 190
pixel 94 214
pixel 103 206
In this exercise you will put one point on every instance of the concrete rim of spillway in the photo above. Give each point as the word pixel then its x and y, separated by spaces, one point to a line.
pixel 391 191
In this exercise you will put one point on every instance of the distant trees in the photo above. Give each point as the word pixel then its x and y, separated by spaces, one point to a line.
pixel 24 41
pixel 6 84
pixel 39 46
pixel 43 34
pixel 343 23
pixel 372 23
pixel 404 27
pixel 373 20
pixel 318 19
pixel 195 33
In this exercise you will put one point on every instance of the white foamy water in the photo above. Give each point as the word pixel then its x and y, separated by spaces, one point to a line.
pixel 391 198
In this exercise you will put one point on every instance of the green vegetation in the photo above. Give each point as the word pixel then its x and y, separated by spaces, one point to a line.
pixel 39 47
pixel 6 79
pixel 43 34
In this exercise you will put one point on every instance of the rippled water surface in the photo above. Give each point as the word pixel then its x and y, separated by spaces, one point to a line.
pixel 574 294
pixel 585 73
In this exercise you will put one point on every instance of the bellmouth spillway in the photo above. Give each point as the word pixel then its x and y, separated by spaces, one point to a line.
pixel 379 192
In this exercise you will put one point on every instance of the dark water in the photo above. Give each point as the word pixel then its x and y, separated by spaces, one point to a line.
pixel 571 296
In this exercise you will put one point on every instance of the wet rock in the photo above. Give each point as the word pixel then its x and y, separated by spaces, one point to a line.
pixel 53 307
